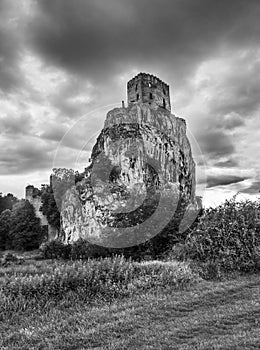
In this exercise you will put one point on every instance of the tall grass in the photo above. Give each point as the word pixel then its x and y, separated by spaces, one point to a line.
pixel 104 279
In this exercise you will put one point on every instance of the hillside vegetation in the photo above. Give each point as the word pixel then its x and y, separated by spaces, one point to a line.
pixel 77 299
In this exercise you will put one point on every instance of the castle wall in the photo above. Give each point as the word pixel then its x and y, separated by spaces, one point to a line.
pixel 33 196
pixel 147 88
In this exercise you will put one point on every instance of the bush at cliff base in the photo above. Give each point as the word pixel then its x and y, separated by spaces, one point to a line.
pixel 227 238
pixel 55 250
pixel 78 250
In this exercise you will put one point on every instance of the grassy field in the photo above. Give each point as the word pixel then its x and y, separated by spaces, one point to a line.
pixel 207 315
pixel 204 295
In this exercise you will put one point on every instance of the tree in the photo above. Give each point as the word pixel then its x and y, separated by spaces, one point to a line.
pixel 5 221
pixel 25 230
pixel 49 207
pixel 7 201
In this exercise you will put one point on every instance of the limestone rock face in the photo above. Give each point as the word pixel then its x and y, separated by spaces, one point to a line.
pixel 141 171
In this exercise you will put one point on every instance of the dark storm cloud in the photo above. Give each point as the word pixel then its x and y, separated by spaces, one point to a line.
pixel 57 133
pixel 231 121
pixel 223 180
pixel 16 124
pixel 238 90
pixel 253 189
pixel 95 42
pixel 215 143
pixel 10 48
pixel 53 132
pixel 66 98
pixel 99 38
pixel 24 156
pixel 230 163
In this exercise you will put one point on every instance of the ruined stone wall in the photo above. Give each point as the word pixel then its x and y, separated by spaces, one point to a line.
pixel 32 194
pixel 148 88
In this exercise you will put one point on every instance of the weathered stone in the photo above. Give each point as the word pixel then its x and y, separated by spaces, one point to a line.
pixel 141 173
pixel 33 195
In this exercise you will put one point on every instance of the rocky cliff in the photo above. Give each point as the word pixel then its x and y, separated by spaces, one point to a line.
pixel 141 179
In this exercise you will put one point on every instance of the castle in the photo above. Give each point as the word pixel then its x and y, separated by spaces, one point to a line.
pixel 147 88
pixel 134 139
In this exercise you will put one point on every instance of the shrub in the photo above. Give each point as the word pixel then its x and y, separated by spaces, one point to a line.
pixel 55 250
pixel 82 249
pixel 9 258
pixel 227 236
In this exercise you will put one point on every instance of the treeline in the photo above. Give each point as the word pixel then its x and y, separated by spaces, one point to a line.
pixel 20 229
pixel 7 201
pixel 49 206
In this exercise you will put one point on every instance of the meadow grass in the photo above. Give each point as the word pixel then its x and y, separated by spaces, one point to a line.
pixel 210 315
pixel 47 283
pixel 114 303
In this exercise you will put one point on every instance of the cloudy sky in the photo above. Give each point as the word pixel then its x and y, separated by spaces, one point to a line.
pixel 64 64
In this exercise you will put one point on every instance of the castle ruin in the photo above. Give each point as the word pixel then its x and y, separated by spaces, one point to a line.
pixel 142 171
pixel 147 88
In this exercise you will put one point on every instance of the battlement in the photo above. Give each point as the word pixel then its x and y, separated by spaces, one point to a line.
pixel 148 88
pixel 146 77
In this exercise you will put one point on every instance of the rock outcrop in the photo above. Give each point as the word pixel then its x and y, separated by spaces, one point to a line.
pixel 141 178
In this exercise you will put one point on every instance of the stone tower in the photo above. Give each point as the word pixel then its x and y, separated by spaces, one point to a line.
pixel 148 88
